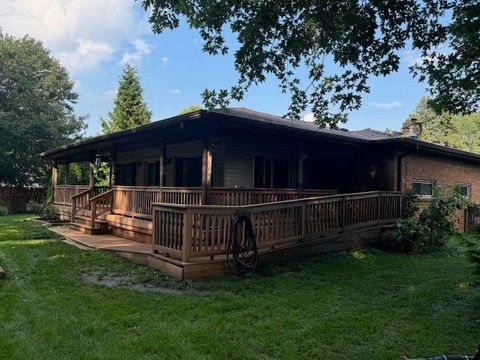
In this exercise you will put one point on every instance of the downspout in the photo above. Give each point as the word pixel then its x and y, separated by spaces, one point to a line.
pixel 399 166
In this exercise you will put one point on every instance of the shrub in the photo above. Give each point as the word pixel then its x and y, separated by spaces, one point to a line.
pixel 45 210
pixel 3 211
pixel 434 225
pixel 406 236
pixel 409 204
pixel 34 207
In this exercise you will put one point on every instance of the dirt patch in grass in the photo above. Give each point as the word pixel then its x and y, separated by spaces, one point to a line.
pixel 112 280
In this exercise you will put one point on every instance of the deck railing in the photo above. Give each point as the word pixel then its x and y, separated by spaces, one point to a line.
pixel 101 204
pixel 239 196
pixel 63 193
pixel 188 231
pixel 137 201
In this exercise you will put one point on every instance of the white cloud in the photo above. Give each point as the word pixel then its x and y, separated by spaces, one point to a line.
pixel 164 61
pixel 142 48
pixel 86 55
pixel 309 117
pixel 386 105
pixel 411 57
pixel 91 29
pixel 176 91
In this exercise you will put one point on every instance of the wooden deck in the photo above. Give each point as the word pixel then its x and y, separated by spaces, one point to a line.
pixel 191 240
pixel 204 267
pixel 103 242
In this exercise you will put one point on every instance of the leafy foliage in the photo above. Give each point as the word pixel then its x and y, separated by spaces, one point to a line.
pixel 361 38
pixel 78 173
pixel 454 74
pixel 130 110
pixel 36 109
pixel 409 204
pixel 3 211
pixel 45 210
pixel 458 131
pixel 190 109
pixel 433 226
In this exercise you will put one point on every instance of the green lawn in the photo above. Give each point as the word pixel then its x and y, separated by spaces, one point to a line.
pixel 368 305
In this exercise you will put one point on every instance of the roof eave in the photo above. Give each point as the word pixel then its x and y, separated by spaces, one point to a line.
pixel 122 133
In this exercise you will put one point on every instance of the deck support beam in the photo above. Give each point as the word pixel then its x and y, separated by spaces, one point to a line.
pixel 206 171
pixel 301 158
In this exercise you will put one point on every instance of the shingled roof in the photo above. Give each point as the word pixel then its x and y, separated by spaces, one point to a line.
pixel 365 134
pixel 249 118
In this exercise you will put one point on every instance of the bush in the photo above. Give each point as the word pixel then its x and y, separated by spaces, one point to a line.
pixel 406 236
pixel 34 207
pixel 3 211
pixel 474 255
pixel 409 204
pixel 44 210
pixel 431 230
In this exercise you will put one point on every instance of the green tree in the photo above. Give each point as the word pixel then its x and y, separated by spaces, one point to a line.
pixel 36 109
pixel 130 110
pixel 189 109
pixel 458 131
pixel 341 43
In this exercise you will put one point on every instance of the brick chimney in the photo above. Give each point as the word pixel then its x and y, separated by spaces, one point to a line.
pixel 412 128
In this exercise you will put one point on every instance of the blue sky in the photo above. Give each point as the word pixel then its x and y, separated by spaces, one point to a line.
pixel 94 39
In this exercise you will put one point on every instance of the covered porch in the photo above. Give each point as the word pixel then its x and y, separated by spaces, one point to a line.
pixel 178 184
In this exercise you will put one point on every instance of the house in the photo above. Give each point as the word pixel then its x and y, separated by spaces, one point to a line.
pixel 176 184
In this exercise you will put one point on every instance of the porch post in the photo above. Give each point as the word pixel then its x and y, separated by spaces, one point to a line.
pixel 54 179
pixel 162 159
pixel 67 169
pixel 91 183
pixel 113 169
pixel 206 172
pixel 300 166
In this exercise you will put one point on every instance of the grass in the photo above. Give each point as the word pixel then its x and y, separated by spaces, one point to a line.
pixel 360 305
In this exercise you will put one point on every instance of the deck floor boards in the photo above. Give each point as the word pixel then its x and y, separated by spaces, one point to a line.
pixel 104 242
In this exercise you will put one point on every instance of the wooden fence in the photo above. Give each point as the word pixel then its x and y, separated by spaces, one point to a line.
pixel 188 231
pixel 15 199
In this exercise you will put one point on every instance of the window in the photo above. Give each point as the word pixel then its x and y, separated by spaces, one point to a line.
pixel 188 171
pixel 423 188
pixel 153 173
pixel 464 190
pixel 270 173
pixel 126 174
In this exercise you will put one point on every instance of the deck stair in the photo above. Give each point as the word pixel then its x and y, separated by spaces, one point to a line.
pixel 83 205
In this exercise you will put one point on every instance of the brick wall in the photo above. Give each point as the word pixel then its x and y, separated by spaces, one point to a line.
pixel 443 172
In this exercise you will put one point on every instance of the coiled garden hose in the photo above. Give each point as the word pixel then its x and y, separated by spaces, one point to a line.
pixel 242 254
pixel 449 357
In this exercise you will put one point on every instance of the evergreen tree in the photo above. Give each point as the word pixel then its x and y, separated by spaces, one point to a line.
pixel 130 110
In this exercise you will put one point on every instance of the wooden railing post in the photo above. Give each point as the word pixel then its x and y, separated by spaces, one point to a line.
pixel 74 209
pixel 134 206
pixel 302 219
pixel 187 235
pixel 344 212
pixel 379 205
pixel 93 206
pixel 400 206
